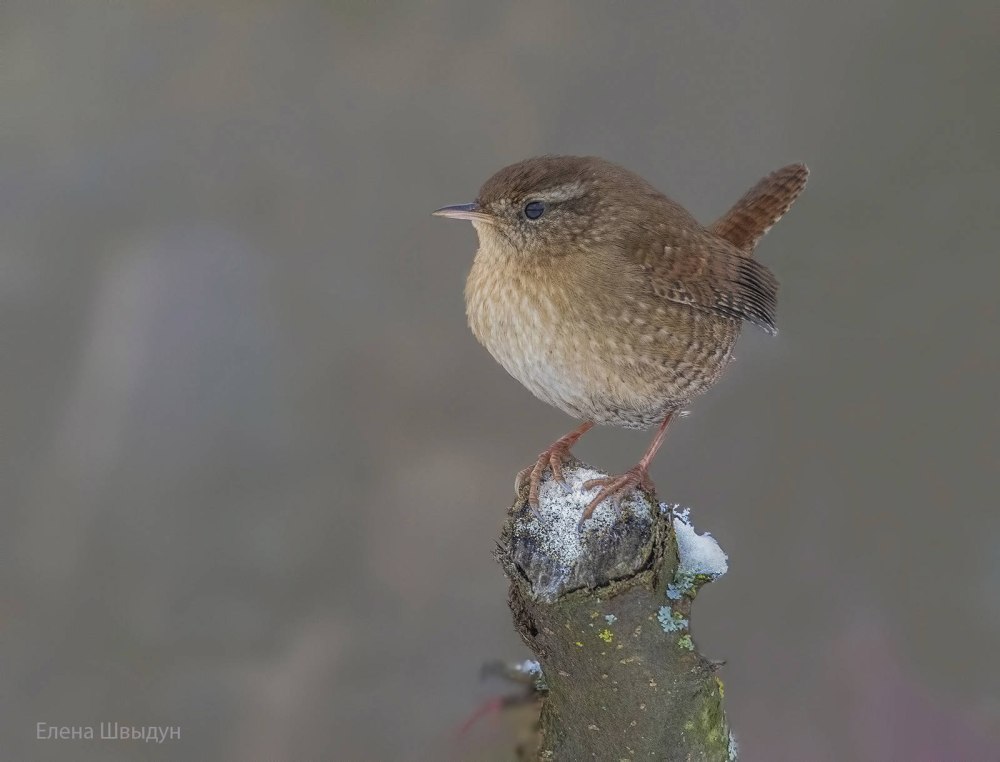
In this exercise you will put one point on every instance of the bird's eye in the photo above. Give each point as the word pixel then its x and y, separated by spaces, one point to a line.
pixel 534 209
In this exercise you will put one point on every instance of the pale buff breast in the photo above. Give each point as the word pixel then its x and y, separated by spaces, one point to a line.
pixel 524 333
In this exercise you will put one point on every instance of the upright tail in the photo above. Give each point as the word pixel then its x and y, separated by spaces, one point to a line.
pixel 761 206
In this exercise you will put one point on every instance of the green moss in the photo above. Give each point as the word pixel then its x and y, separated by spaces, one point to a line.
pixel 684 641
pixel 712 723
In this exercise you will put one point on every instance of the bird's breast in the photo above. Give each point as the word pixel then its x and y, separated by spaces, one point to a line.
pixel 527 330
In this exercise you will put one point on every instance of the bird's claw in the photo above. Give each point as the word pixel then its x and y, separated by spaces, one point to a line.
pixel 552 459
pixel 614 488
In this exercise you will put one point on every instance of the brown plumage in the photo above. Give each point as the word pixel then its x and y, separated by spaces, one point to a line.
pixel 607 299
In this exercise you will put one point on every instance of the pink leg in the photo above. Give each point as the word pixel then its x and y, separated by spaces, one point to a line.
pixel 637 476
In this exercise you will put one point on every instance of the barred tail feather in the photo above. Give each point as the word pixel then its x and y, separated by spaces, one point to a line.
pixel 762 206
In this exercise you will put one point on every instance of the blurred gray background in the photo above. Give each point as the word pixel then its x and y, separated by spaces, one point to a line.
pixel 254 462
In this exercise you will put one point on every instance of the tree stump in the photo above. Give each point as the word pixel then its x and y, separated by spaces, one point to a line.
pixel 606 610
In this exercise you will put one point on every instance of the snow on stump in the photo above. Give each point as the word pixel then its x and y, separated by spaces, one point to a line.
pixel 606 610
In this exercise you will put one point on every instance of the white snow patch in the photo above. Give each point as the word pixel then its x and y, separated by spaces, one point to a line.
pixel 699 553
pixel 734 748
pixel 560 508
pixel 529 667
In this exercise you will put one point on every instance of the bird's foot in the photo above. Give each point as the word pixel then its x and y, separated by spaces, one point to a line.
pixel 551 458
pixel 615 487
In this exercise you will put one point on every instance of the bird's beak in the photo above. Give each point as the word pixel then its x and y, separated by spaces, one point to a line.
pixel 464 212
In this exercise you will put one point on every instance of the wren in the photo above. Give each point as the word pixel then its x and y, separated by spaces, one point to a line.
pixel 610 301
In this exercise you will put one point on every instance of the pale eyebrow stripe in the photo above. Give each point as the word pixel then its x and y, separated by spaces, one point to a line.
pixel 561 192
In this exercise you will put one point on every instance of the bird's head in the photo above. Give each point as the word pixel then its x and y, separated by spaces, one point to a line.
pixel 554 205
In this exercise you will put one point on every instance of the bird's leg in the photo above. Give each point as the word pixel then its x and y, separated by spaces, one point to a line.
pixel 551 457
pixel 638 476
